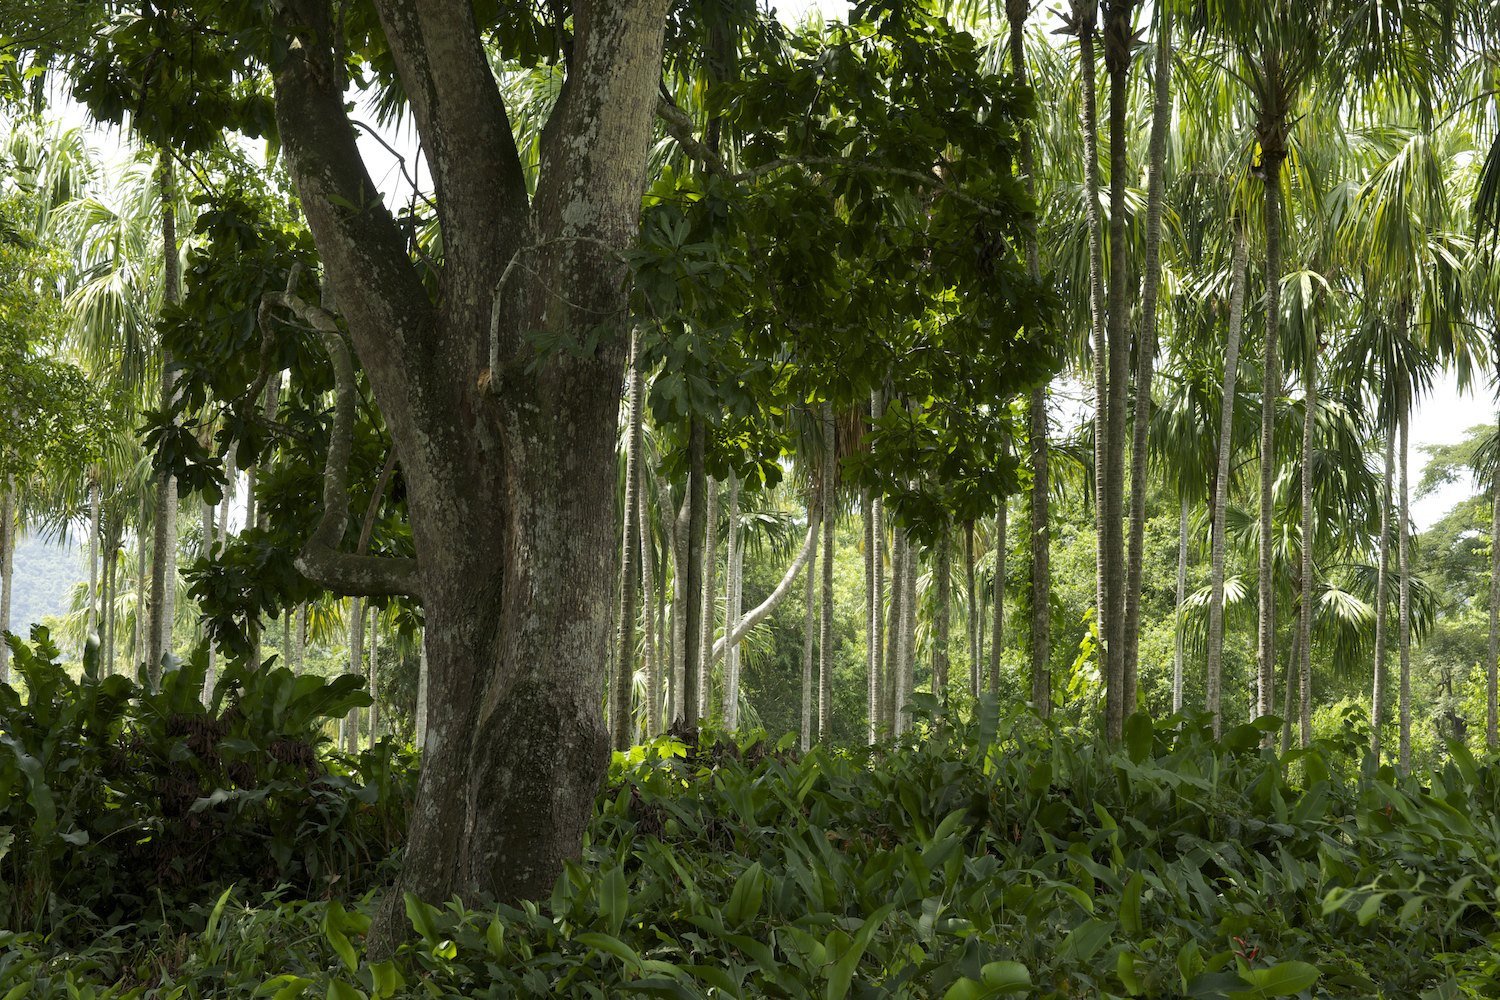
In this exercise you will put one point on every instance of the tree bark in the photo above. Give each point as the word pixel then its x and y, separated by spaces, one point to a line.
pixel 299 654
pixel 907 677
pixel 630 569
pixel 422 684
pixel 213 647
pixel 1146 347
pixel 829 499
pixel 90 619
pixel 138 639
pixel 759 613
pixel 374 674
pixel 1305 619
pixel 356 667
pixel 1213 701
pixel 1403 556
pixel 879 712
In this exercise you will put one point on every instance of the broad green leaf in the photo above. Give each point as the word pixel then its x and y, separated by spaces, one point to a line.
pixel 611 946
pixel 842 973
pixel 744 901
pixel 1084 941
pixel 613 900
pixel 1006 977
pixel 1283 979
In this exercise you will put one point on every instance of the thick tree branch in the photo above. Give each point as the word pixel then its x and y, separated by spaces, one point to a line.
pixel 377 287
pixel 461 117
pixel 774 599
pixel 680 127
pixel 320 560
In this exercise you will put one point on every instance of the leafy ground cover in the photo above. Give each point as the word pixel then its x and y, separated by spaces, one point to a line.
pixel 1000 858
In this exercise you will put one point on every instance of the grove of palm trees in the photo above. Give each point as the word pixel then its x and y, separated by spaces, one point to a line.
pixel 688 499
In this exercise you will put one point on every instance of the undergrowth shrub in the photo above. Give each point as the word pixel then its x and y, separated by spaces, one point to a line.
pixel 118 803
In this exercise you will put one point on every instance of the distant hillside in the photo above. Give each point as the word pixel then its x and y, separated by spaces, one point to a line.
pixel 44 574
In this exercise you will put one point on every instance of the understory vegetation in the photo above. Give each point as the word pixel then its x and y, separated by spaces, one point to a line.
pixel 986 854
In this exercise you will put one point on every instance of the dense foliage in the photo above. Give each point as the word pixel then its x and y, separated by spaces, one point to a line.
pixel 976 860
pixel 119 803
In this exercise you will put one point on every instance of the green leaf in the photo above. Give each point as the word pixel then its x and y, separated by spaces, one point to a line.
pixel 1006 977
pixel 1284 979
pixel 610 946
pixel 614 900
pixel 1084 941
pixel 423 918
pixel 1130 906
pixel 842 973
pixel 333 929
pixel 744 901
pixel 340 990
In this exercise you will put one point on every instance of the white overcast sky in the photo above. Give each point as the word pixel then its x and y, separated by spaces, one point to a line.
pixel 1442 416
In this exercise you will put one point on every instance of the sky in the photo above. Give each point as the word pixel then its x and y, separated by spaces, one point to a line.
pixel 1442 416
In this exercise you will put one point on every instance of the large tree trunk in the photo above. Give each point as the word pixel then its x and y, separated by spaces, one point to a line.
pixel 829 499
pixel 733 565
pixel 509 470
pixel 356 667
pixel 1305 620
pixel 1182 560
pixel 1403 554
pixel 422 681
pixel 7 562
pixel 164 554
pixel 1146 346
pixel 1213 700
pixel 619 707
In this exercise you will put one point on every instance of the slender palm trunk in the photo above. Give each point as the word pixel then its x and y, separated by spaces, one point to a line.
pixel 299 652
pixel 1273 154
pixel 164 557
pixel 1403 555
pixel 648 591
pixel 907 680
pixel 1492 697
pixel 672 682
pixel 672 633
pixel 374 675
pixel 138 640
pixel 1212 683
pixel 7 562
pixel 1087 11
pixel 710 594
pixel 997 595
pixel 825 630
pixel 942 614
pixel 694 682
pixel 356 667
pixel 872 674
pixel 1378 693
pixel 1182 561
pixel 1041 529
pixel 1305 619
pixel 1117 39
pixel 111 602
pixel 286 637
pixel 732 564
pixel 879 710
pixel 972 595
pixel 809 628
pixel 421 720
pixel 895 616
pixel 213 651
pixel 1140 443
pixel 91 614
pixel 630 570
